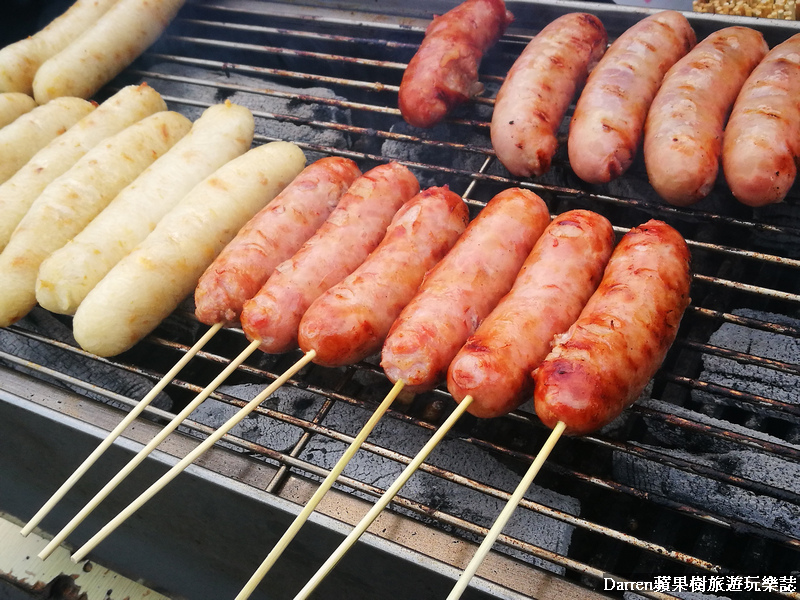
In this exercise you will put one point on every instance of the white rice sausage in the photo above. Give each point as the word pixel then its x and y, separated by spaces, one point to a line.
pixel 761 145
pixel 608 123
pixel 222 133
pixel 32 131
pixel 683 130
pixel 148 284
pixel 70 202
pixel 14 105
pixel 20 61
pixel 125 31
pixel 124 108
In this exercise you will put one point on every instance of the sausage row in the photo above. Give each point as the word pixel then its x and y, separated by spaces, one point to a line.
pixel 653 87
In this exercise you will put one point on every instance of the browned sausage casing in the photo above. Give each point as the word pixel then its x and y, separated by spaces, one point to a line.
pixel 762 140
pixel 539 87
pixel 353 230
pixel 350 321
pixel 444 71
pixel 462 289
pixel 555 282
pixel 270 237
pixel 608 122
pixel 602 364
pixel 683 130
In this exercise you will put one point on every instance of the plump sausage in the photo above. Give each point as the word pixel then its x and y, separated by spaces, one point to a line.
pixel 683 130
pixel 70 202
pixel 31 132
pixel 555 282
pixel 271 237
pixel 539 87
pixel 462 289
pixel 350 321
pixel 606 128
pixel 223 132
pixel 19 61
pixel 132 103
pixel 353 230
pixel 444 71
pixel 148 284
pixel 118 37
pixel 762 140
pixel 601 365
pixel 14 105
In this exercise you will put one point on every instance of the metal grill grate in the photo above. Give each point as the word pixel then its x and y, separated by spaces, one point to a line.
pixel 689 481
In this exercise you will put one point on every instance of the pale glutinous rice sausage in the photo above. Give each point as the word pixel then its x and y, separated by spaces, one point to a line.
pixel 126 30
pixel 22 139
pixel 223 132
pixel 71 201
pixel 20 61
pixel 149 283
pixel 130 104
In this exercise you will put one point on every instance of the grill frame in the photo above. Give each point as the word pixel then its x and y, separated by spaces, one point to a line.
pixel 671 384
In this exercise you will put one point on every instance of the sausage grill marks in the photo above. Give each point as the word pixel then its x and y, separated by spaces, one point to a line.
pixel 444 71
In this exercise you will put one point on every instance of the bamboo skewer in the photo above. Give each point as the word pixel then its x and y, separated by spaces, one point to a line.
pixel 384 500
pixel 199 450
pixel 507 511
pixel 144 452
pixel 300 520
pixel 117 431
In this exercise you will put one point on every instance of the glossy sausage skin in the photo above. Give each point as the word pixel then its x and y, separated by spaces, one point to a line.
pixel 271 237
pixel 462 289
pixel 444 71
pixel 683 130
pixel 353 230
pixel 555 282
pixel 602 364
pixel 608 122
pixel 350 321
pixel 538 90
pixel 762 140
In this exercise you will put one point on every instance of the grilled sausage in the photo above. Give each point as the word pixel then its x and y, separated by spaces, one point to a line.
pixel 20 61
pixel 601 365
pixel 148 284
pixel 444 71
pixel 555 282
pixel 14 105
pixel 606 128
pixel 350 321
pixel 68 204
pixel 271 237
pixel 762 140
pixel 130 104
pixel 118 37
pixel 462 289
pixel 32 131
pixel 353 230
pixel 539 87
pixel 222 133
pixel 683 130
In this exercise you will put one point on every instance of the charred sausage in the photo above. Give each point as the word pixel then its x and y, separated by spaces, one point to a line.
pixel 601 365
pixel 539 87
pixel 762 140
pixel 462 289
pixel 271 237
pixel 606 128
pixel 444 71
pixel 555 282
pixel 353 230
pixel 350 321
pixel 683 130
